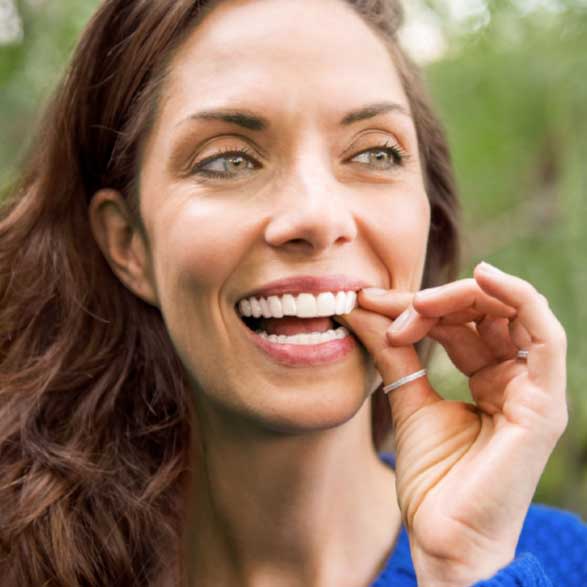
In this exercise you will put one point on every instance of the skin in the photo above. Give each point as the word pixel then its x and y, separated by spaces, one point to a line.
pixel 466 474
pixel 285 474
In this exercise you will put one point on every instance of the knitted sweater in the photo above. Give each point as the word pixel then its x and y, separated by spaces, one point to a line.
pixel 551 552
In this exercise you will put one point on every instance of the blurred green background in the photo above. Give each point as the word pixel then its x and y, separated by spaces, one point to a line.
pixel 509 78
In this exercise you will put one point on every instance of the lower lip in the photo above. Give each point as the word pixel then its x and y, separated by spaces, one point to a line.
pixel 297 355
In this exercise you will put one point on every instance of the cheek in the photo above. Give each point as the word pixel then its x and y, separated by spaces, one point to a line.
pixel 197 247
pixel 402 238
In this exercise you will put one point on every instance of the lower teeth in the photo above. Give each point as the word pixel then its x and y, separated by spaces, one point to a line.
pixel 306 338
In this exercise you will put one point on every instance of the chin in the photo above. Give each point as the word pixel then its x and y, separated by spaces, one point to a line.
pixel 296 404
pixel 310 409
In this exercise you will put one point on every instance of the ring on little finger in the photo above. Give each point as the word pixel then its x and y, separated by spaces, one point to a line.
pixel 522 354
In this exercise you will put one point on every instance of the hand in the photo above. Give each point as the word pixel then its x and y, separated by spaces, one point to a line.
pixel 466 473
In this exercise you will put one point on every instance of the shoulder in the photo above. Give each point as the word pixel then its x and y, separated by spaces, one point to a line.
pixel 558 539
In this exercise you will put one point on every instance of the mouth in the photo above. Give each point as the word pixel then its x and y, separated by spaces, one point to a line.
pixel 256 324
pixel 291 315
pixel 294 340
pixel 300 305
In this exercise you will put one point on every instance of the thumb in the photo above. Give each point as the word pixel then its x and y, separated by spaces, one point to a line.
pixel 392 363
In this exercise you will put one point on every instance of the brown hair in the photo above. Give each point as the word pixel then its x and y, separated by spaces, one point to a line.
pixel 95 420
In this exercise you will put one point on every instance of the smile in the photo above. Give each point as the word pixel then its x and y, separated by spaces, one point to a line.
pixel 299 330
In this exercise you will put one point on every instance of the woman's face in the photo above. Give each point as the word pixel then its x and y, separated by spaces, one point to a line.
pixel 298 186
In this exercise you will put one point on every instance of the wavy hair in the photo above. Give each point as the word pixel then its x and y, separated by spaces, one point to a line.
pixel 95 416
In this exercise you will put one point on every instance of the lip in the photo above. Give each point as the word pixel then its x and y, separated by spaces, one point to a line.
pixel 307 284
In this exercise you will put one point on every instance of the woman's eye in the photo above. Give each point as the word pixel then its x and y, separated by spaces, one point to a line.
pixel 384 157
pixel 230 164
pixel 225 165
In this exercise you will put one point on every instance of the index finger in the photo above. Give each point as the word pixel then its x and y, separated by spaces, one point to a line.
pixel 460 296
pixel 389 302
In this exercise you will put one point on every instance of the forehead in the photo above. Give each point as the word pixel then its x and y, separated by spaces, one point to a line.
pixel 315 56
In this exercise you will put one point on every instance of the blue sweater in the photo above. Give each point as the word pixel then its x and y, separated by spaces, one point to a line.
pixel 551 552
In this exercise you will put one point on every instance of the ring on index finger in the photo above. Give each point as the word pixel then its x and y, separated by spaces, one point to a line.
pixel 403 380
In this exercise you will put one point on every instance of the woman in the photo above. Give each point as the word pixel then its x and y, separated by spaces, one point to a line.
pixel 211 169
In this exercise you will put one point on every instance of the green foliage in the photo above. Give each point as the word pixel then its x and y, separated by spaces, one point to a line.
pixel 29 70
pixel 513 95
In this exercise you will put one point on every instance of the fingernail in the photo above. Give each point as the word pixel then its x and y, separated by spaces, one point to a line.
pixel 428 293
pixel 484 266
pixel 401 320
pixel 374 291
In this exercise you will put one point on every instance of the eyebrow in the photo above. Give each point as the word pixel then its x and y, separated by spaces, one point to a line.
pixel 373 110
pixel 252 121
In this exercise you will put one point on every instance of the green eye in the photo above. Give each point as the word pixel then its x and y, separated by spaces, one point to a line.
pixel 384 157
pixel 233 163
pixel 226 164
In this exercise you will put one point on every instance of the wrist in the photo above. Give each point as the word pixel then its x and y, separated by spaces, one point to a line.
pixel 455 572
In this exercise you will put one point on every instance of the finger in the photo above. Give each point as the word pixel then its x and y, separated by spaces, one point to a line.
pixel 547 350
pixel 392 363
pixel 481 307
pixel 464 294
pixel 495 333
pixel 409 327
pixel 520 336
pixel 387 302
pixel 470 346
pixel 462 317
pixel 467 351
pixel 488 385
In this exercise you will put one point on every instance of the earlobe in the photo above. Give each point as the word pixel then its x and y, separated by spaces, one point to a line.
pixel 122 244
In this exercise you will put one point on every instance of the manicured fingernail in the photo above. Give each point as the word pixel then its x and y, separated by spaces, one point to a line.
pixel 484 266
pixel 374 291
pixel 401 320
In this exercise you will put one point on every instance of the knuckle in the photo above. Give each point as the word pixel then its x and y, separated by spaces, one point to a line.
pixel 558 421
pixel 559 425
pixel 564 420
pixel 560 336
pixel 531 291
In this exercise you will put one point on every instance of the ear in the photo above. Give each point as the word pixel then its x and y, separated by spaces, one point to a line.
pixel 123 244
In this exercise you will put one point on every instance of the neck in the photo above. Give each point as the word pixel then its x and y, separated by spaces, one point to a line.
pixel 312 509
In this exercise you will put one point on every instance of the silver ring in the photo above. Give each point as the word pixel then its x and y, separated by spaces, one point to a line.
pixel 522 354
pixel 402 380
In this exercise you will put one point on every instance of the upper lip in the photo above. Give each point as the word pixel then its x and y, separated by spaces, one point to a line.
pixel 307 284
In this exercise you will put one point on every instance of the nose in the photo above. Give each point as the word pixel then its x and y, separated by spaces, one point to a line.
pixel 312 209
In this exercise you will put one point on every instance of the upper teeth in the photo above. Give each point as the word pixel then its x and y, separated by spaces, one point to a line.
pixel 304 305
